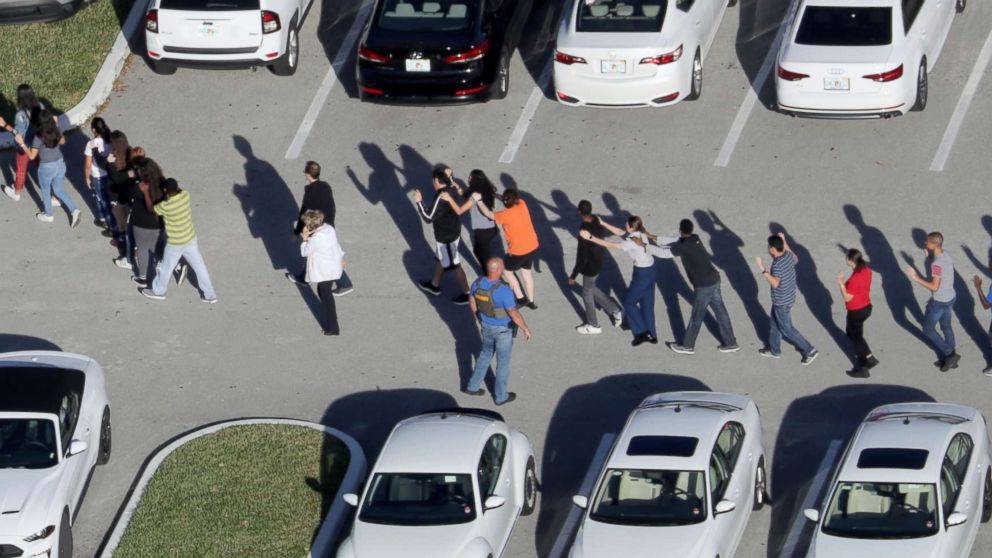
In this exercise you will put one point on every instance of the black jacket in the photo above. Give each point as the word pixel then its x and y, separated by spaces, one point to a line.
pixel 447 226
pixel 317 195
pixel 697 261
pixel 589 256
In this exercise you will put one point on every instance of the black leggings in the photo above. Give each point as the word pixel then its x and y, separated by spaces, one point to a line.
pixel 856 332
pixel 483 245
pixel 325 290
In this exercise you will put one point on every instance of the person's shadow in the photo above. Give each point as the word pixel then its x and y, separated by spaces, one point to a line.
pixel 567 220
pixel 271 211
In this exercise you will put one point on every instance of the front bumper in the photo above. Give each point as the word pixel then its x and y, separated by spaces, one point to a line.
pixel 38 549
pixel 38 11
pixel 666 87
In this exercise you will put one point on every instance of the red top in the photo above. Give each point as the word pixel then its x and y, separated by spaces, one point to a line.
pixel 859 286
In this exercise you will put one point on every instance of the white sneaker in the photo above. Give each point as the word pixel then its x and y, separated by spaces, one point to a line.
pixel 122 263
pixel 45 218
pixel 586 329
pixel 56 202
pixel 75 218
pixel 11 193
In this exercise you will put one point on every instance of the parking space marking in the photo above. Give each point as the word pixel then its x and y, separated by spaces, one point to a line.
pixel 571 522
pixel 330 80
pixel 744 112
pixel 526 116
pixel 812 493
pixel 961 109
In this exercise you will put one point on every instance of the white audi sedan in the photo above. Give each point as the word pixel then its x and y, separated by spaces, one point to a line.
pixel 861 58
pixel 225 34
pixel 446 485
pixel 54 428
pixel 915 482
pixel 633 53
pixel 681 480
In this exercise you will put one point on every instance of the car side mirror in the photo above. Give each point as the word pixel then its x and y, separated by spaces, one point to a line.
pixel 956 518
pixel 76 447
pixel 493 502
pixel 724 506
pixel 351 499
pixel 580 501
pixel 812 515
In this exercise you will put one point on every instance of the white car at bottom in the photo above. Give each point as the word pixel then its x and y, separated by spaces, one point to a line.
pixel 629 53
pixel 446 485
pixel 915 482
pixel 861 58
pixel 681 480
pixel 54 428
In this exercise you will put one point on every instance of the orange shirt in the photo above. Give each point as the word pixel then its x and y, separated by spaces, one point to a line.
pixel 521 238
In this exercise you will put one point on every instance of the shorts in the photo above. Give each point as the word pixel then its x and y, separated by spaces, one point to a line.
pixel 515 262
pixel 447 254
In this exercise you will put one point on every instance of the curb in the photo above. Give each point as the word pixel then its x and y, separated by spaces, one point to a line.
pixel 329 531
pixel 103 83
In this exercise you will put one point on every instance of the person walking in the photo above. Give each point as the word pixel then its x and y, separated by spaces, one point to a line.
pixel 28 106
pixel 705 279
pixel 493 304
pixel 120 178
pixel 46 147
pixel 985 298
pixel 782 279
pixel 146 225
pixel 181 243
pixel 521 241
pixel 856 291
pixel 485 236
pixel 447 235
pixel 940 283
pixel 325 264
pixel 95 172
pixel 589 263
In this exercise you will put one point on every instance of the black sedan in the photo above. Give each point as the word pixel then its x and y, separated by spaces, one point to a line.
pixel 446 51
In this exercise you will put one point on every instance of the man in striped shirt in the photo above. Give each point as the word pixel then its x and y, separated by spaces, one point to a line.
pixel 177 212
pixel 782 278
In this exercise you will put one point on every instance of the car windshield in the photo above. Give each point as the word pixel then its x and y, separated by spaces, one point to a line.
pixel 835 26
pixel 419 16
pixel 27 444
pixel 419 499
pixel 620 16
pixel 210 5
pixel 874 510
pixel 640 497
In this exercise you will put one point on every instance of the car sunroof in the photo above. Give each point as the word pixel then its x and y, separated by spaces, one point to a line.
pixel 671 446
pixel 893 458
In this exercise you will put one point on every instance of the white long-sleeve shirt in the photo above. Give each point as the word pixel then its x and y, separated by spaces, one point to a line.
pixel 325 257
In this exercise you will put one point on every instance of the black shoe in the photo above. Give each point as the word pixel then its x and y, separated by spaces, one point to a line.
pixel 331 333
pixel 650 338
pixel 521 302
pixel 872 362
pixel 509 398
pixel 139 281
pixel 858 372
pixel 341 291
pixel 530 304
pixel 107 233
pixel 638 339
pixel 295 279
pixel 477 392
pixel 429 288
pixel 460 300
pixel 950 362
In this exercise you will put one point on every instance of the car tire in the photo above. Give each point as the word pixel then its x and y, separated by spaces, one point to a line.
pixel 960 5
pixel 501 80
pixel 286 66
pixel 922 87
pixel 731 3
pixel 530 488
pixel 987 498
pixel 162 68
pixel 696 78
pixel 760 486
pixel 65 537
pixel 106 437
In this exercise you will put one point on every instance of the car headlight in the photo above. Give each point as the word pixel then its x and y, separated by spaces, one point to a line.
pixel 43 534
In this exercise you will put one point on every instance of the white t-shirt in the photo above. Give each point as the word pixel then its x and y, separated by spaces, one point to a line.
pixel 97 144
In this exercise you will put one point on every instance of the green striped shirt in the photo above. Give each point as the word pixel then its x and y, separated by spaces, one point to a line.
pixel 178 215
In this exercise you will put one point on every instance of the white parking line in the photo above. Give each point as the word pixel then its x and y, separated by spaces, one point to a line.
pixel 571 522
pixel 520 130
pixel 970 87
pixel 812 493
pixel 744 112
pixel 328 84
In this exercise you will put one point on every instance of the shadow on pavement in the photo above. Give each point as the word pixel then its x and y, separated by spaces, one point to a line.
pixel 10 342
pixel 759 23
pixel 335 21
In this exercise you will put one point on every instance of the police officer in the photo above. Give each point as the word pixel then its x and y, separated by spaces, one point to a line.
pixel 493 303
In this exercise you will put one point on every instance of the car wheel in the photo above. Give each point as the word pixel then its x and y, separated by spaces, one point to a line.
pixel 501 82
pixel 922 87
pixel 286 66
pixel 530 488
pixel 696 79
pixel 161 68
pixel 960 5
pixel 987 498
pixel 105 438
pixel 65 537
pixel 760 486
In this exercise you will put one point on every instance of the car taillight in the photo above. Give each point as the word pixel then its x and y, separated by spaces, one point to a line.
pixel 371 56
pixel 469 55
pixel 568 59
pixel 790 76
pixel 890 75
pixel 666 58
pixel 270 22
pixel 151 21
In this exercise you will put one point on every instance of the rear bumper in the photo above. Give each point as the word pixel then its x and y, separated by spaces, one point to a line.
pixel 440 90
pixel 271 49
pixel 38 11
pixel 665 88
pixel 889 100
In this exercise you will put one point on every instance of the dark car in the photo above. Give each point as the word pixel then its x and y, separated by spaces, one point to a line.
pixel 35 11
pixel 446 51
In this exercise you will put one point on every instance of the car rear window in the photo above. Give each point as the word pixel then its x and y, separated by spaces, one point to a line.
pixel 620 16
pixel 210 5
pixel 834 26
pixel 420 16
pixel 672 446
pixel 893 458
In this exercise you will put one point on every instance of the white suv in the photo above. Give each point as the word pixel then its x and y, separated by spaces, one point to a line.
pixel 225 33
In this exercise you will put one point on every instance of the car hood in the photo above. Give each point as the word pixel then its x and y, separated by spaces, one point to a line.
pixel 26 496
pixel 442 541
pixel 608 540
pixel 827 546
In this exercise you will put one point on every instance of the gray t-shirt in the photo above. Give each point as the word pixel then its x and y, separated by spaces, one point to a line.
pixel 942 266
pixel 46 154
pixel 478 220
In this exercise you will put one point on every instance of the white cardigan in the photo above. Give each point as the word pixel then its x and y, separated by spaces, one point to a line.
pixel 325 257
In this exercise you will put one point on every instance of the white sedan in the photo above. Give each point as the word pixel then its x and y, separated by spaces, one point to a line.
pixel 682 479
pixel 915 482
pixel 446 485
pixel 225 34
pixel 861 58
pixel 54 428
pixel 630 53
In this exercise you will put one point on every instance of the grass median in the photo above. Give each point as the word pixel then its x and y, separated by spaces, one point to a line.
pixel 59 59
pixel 253 490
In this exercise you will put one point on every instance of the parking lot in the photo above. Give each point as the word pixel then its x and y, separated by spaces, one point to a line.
pixel 238 140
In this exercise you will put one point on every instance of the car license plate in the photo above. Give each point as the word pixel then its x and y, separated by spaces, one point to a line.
pixel 418 65
pixel 211 31
pixel 837 84
pixel 613 66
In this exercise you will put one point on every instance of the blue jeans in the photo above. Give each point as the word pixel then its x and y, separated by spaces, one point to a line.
pixel 939 312
pixel 639 302
pixel 498 340
pixel 50 178
pixel 781 326
pixel 706 297
pixel 191 253
pixel 102 199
